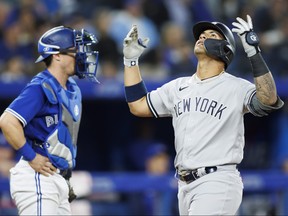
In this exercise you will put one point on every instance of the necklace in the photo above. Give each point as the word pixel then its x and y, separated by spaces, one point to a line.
pixel 213 76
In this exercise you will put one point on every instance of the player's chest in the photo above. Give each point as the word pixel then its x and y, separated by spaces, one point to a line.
pixel 199 105
pixel 211 103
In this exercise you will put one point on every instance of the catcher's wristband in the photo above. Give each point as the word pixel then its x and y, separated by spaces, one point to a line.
pixel 135 92
pixel 130 62
pixel 27 152
pixel 258 64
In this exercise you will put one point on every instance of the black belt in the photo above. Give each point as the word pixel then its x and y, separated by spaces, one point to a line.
pixel 189 176
pixel 66 173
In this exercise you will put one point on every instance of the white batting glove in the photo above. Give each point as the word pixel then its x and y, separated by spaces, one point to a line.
pixel 133 47
pixel 248 37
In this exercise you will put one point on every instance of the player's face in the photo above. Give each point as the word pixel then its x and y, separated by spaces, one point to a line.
pixel 209 33
pixel 68 61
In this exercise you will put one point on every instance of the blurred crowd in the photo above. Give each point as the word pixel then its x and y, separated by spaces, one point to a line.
pixel 168 24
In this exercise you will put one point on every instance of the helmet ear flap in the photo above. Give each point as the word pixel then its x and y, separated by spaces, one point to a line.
pixel 222 49
pixel 219 50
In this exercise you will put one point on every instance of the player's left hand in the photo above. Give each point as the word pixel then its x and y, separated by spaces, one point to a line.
pixel 42 165
pixel 133 47
pixel 248 37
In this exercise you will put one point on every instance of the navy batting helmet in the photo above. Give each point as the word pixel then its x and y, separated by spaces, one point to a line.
pixel 60 39
pixel 223 50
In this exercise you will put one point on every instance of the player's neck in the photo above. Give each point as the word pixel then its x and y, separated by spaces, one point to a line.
pixel 59 77
pixel 206 71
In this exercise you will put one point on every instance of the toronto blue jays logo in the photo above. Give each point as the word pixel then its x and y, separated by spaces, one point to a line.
pixel 47 145
pixel 46 49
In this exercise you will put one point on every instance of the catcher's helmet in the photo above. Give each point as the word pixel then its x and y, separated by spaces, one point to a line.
pixel 223 50
pixel 60 39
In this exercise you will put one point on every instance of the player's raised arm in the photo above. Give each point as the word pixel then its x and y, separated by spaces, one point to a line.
pixel 135 89
pixel 266 91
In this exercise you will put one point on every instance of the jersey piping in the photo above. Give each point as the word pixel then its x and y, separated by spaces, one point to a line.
pixel 19 117
pixel 151 107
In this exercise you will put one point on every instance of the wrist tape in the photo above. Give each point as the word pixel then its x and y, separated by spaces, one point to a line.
pixel 135 92
pixel 258 64
pixel 27 152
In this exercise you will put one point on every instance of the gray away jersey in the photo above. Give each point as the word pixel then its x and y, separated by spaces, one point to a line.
pixel 207 118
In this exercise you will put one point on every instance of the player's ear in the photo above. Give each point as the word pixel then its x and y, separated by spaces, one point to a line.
pixel 56 57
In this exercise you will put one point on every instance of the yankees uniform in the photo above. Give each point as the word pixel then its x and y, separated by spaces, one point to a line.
pixel 200 106
pixel 208 128
pixel 207 111
pixel 49 111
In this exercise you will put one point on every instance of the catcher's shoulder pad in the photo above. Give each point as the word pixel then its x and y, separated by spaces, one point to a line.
pixel 49 91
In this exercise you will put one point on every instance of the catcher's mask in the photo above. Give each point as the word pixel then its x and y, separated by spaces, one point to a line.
pixel 223 50
pixel 60 39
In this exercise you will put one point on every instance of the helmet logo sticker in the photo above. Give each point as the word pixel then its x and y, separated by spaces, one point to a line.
pixel 47 145
pixel 46 49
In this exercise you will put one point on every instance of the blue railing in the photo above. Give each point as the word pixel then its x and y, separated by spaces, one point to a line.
pixel 269 182
pixel 254 181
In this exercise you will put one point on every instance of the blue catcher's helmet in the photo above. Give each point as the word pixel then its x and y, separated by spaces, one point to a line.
pixel 60 39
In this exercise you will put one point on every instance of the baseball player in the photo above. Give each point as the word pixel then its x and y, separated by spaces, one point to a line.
pixel 42 123
pixel 207 112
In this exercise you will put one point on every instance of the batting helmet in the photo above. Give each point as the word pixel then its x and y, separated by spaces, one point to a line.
pixel 60 39
pixel 223 50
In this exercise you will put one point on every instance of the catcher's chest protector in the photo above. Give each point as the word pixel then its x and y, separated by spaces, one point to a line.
pixel 61 143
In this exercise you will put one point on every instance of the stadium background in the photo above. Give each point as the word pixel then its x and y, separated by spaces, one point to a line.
pixel 110 177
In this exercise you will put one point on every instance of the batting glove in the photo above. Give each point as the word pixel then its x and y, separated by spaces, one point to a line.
pixel 248 37
pixel 133 47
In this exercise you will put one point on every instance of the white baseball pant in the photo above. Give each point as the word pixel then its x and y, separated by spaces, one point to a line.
pixel 36 194
pixel 217 193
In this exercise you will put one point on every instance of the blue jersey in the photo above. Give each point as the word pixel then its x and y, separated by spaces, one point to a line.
pixel 34 110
